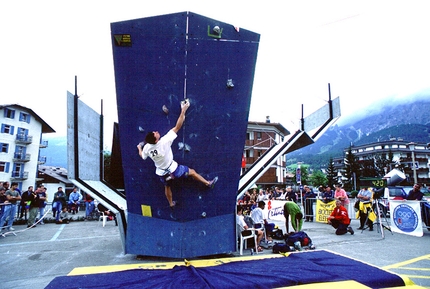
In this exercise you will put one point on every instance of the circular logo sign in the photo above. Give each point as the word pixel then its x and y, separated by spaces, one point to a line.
pixel 405 218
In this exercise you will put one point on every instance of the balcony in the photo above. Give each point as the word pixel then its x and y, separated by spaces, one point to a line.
pixel 21 158
pixel 43 144
pixel 19 176
pixel 41 160
pixel 23 139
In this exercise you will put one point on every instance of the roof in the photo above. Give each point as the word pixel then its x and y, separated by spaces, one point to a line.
pixel 57 173
pixel 46 128
pixel 266 125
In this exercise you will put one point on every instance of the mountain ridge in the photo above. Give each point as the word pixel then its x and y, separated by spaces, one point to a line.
pixel 407 120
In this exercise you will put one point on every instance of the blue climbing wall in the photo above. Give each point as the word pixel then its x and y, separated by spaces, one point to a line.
pixel 158 62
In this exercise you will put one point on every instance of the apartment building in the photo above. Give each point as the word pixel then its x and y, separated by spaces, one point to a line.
pixel 260 137
pixel 414 157
pixel 20 144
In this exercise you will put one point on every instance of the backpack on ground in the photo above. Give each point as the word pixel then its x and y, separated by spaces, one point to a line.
pixel 277 234
pixel 280 248
pixel 301 236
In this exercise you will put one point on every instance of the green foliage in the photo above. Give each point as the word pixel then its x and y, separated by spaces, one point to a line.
pixel 331 173
pixel 304 173
pixel 352 170
pixel 107 165
pixel 318 178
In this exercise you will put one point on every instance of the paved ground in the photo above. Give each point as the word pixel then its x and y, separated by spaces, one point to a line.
pixel 34 257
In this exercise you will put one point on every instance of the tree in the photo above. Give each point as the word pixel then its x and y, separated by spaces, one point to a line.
pixel 318 178
pixel 107 165
pixel 352 171
pixel 331 173
pixel 368 168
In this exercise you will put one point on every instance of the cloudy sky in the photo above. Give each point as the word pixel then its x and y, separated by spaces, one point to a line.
pixel 366 50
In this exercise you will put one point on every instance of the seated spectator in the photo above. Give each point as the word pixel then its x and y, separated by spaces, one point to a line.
pixel 293 210
pixel 339 219
pixel 74 200
pixel 258 217
pixel 107 212
pixel 58 203
pixel 341 195
pixel 245 231
pixel 64 217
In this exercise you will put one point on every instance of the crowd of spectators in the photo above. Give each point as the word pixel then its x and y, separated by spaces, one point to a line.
pixel 29 207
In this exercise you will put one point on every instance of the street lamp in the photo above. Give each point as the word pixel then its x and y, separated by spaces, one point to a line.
pixel 412 148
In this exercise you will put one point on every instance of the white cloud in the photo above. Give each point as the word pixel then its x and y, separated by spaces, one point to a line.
pixel 367 50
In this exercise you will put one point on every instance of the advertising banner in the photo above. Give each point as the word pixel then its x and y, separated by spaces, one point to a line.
pixel 324 210
pixel 406 217
pixel 275 210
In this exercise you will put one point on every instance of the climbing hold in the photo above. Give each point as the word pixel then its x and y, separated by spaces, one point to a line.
pixel 165 109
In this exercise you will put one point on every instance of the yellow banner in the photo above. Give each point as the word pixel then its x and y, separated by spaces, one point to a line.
pixel 324 210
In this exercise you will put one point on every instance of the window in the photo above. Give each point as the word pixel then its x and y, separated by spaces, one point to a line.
pixel 17 169
pixel 22 132
pixel 259 135
pixel 9 113
pixel 25 117
pixel 4 167
pixel 6 128
pixel 4 147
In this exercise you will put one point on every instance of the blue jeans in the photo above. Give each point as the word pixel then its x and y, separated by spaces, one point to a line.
pixel 41 213
pixel 8 212
pixel 58 207
pixel 89 207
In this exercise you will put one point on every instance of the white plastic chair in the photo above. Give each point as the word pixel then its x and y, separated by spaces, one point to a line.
pixel 103 217
pixel 243 242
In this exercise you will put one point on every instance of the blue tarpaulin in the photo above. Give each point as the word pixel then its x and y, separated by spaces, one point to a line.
pixel 311 267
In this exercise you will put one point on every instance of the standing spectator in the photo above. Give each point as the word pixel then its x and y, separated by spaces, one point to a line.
pixel 254 195
pixel 293 210
pixel 89 206
pixel 327 195
pixel 339 219
pixel 415 193
pixel 33 199
pixel 291 195
pixel 260 196
pixel 41 192
pixel 9 213
pixel 341 195
pixel 364 208
pixel 283 194
pixel 3 200
pixel 59 202
pixel 23 204
pixel 6 186
pixel 74 200
pixel 308 199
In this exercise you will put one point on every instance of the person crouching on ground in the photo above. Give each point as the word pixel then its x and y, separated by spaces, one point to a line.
pixel 339 219
pixel 64 217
